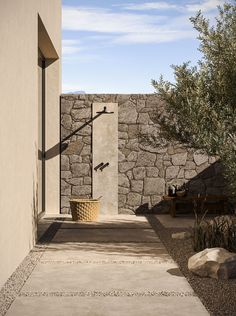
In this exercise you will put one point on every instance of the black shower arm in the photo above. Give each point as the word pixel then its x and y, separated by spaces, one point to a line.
pixel 104 111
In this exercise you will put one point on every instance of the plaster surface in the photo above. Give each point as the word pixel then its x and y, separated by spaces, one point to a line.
pixel 105 150
pixel 19 29
pixel 107 306
pixel 105 278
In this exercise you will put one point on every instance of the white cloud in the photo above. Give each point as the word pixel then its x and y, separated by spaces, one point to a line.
pixel 115 27
pixel 106 21
pixel 70 47
pixel 151 6
pixel 204 6
pixel 155 37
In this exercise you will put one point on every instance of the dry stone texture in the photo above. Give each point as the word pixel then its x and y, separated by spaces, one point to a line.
pixel 145 168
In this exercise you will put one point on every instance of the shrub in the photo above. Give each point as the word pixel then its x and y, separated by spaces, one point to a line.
pixel 217 232
pixel 201 103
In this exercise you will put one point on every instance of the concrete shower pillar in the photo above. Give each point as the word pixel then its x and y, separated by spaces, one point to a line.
pixel 105 150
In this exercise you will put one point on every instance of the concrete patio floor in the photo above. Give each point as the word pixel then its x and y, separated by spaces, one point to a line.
pixel 117 266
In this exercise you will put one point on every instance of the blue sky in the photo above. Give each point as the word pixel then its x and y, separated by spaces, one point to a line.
pixel 112 46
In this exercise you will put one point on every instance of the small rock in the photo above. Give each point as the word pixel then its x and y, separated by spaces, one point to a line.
pixel 134 199
pixel 143 118
pixel 179 159
pixel 65 163
pixel 172 172
pixel 74 148
pixel 137 186
pixel 66 106
pixel 78 115
pixel 154 186
pixel 81 190
pixel 121 156
pixel 200 158
pixel 182 235
pixel 133 131
pixel 139 173
pixel 80 169
pixel 123 128
pixel 66 121
pixel 155 199
pixel 125 166
pixel 132 156
pixel 121 200
pixel 189 174
pixel 123 180
pixel 217 263
pixel 126 211
pixel 152 172
pixel 145 159
pixel 65 188
pixel 122 190
pixel 128 113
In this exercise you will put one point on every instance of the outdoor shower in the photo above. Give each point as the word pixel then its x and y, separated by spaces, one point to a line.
pixel 101 166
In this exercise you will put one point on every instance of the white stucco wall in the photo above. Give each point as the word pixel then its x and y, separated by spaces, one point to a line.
pixel 19 124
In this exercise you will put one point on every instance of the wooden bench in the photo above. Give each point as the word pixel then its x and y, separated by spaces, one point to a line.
pixel 219 201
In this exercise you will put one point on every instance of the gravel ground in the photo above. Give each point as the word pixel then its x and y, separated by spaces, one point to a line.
pixel 12 287
pixel 218 296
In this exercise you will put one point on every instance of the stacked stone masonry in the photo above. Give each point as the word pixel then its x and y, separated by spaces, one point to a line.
pixel 148 164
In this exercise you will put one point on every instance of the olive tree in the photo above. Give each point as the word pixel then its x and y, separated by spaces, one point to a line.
pixel 201 103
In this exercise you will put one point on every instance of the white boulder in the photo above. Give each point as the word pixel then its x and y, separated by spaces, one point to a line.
pixel 217 263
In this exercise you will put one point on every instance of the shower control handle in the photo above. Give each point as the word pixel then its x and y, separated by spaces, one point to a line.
pixel 99 166
pixel 104 166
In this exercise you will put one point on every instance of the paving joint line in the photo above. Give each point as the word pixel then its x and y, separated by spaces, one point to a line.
pixel 110 241
pixel 160 261
pixel 112 228
pixel 114 293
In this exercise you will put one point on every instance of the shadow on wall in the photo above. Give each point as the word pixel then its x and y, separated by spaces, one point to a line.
pixel 208 182
pixel 60 147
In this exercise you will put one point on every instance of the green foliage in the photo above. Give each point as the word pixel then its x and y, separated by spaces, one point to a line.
pixel 201 104
pixel 218 232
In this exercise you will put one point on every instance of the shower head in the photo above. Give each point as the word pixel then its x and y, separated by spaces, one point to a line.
pixel 104 111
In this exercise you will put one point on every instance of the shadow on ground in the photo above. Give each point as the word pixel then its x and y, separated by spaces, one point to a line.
pixel 114 237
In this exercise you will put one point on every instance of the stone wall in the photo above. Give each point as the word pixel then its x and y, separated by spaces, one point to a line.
pixel 146 167
pixel 76 160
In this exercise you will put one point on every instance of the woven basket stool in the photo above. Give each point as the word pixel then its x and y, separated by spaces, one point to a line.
pixel 84 210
